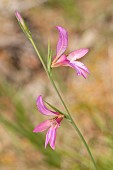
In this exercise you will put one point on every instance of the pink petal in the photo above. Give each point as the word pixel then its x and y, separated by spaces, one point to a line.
pixel 48 135
pixel 62 61
pixel 62 42
pixel 42 126
pixel 80 68
pixel 42 108
pixel 77 54
pixel 53 137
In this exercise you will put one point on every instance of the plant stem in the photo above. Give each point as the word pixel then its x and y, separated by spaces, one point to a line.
pixel 83 140
pixel 58 93
pixel 73 123
pixel 34 45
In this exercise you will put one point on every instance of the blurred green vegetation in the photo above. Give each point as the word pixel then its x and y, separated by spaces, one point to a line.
pixel 69 8
pixel 21 124
pixel 90 24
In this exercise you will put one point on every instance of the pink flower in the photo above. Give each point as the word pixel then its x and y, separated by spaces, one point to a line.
pixel 50 124
pixel 70 60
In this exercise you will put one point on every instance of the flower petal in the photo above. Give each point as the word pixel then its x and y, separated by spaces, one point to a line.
pixel 48 135
pixel 77 54
pixel 42 126
pixel 80 68
pixel 42 108
pixel 62 61
pixel 62 42
pixel 53 137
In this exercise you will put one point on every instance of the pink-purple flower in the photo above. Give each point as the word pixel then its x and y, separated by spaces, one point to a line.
pixel 61 59
pixel 51 124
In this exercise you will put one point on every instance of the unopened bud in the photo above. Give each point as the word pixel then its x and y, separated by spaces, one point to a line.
pixel 20 19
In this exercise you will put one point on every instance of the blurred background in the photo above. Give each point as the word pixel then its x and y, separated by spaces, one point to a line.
pixel 22 79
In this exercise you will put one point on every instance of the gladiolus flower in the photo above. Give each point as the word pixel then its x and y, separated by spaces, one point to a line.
pixel 61 59
pixel 51 124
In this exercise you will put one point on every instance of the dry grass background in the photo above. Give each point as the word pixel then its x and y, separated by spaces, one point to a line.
pixel 90 25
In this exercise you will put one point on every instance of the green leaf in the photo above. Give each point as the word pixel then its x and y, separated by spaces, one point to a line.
pixel 49 58
pixel 57 110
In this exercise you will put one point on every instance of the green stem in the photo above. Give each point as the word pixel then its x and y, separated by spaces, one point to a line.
pixel 73 123
pixel 58 93
pixel 34 45
pixel 83 140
